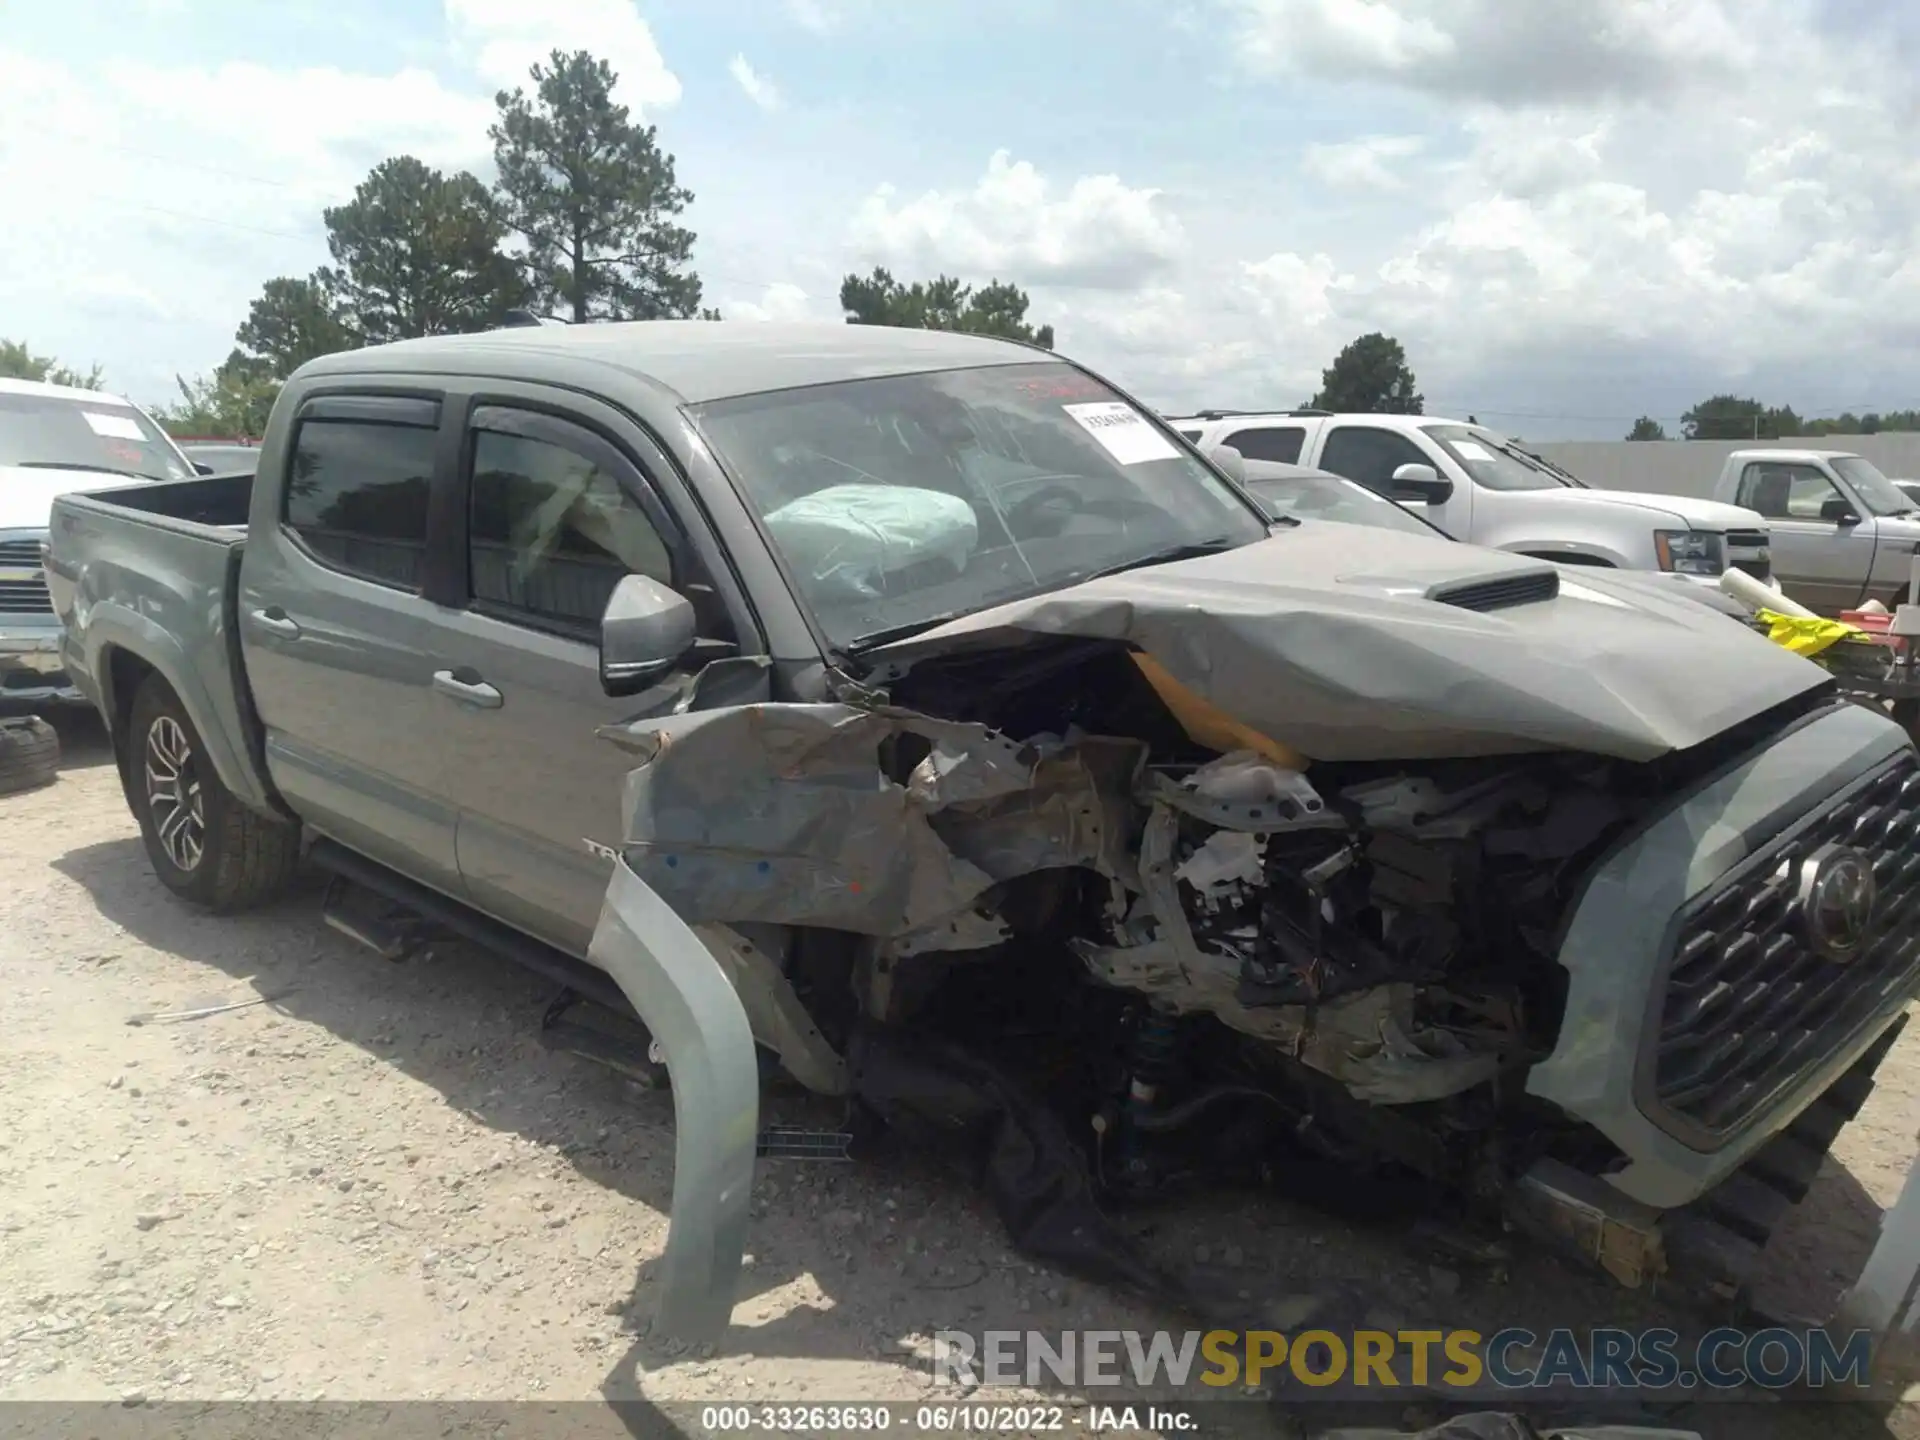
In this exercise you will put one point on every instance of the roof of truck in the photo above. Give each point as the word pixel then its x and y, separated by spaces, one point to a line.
pixel 61 392
pixel 703 360
pixel 1775 452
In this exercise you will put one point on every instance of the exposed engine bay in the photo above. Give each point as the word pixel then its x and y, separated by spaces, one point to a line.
pixel 1211 961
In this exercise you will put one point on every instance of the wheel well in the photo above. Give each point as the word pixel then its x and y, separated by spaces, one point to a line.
pixel 1574 559
pixel 126 673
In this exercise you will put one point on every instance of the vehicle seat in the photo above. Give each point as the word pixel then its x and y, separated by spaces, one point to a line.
pixel 1770 494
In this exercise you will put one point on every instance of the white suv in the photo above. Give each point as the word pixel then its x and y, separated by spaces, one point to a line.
pixel 1481 487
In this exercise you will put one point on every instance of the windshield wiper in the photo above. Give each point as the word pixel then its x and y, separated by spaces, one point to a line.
pixel 905 631
pixel 1191 550
pixel 76 465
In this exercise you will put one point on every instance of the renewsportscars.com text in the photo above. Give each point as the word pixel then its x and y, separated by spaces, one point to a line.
pixel 1509 1359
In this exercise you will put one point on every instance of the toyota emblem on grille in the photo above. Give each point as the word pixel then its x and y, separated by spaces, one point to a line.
pixel 1837 894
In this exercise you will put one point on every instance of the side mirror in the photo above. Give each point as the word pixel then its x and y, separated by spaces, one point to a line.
pixel 645 631
pixel 1839 512
pixel 202 469
pixel 1229 461
pixel 1421 482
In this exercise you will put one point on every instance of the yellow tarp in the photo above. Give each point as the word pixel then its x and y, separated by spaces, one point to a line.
pixel 1806 634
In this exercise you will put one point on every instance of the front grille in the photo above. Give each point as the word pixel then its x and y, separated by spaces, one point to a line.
pixel 1501 594
pixel 22 594
pixel 1749 1003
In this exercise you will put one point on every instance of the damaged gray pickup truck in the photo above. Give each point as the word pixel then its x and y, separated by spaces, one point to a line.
pixel 919 710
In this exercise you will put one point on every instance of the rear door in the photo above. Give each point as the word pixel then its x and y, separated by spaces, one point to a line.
pixel 1817 561
pixel 1269 442
pixel 336 632
pixel 559 500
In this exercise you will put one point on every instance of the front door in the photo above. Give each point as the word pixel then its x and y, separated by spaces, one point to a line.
pixel 1371 453
pixel 556 513
pixel 1817 560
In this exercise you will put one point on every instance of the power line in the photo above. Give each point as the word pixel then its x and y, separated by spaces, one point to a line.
pixel 164 159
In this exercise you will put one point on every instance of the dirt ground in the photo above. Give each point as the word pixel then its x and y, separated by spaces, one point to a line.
pixel 383 1185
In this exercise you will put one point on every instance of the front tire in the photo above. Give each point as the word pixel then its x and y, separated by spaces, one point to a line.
pixel 205 846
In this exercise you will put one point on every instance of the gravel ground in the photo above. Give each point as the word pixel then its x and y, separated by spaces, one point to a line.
pixel 383 1186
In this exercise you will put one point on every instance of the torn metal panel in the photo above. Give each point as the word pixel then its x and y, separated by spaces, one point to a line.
pixel 1076 809
pixel 780 814
pixel 1283 637
pixel 774 1012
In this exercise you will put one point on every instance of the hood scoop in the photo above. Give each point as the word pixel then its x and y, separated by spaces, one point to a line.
pixel 1502 592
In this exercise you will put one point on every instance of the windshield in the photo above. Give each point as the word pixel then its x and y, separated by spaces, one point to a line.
pixel 1876 491
pixel 1489 460
pixel 56 432
pixel 905 500
pixel 1315 497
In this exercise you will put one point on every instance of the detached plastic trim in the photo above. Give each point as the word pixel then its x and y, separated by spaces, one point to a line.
pixel 686 1000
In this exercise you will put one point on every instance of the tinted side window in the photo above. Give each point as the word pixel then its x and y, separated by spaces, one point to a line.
pixel 1273 442
pixel 551 533
pixel 357 497
pixel 1369 455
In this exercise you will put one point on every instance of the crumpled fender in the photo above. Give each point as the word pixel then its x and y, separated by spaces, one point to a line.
pixel 686 1000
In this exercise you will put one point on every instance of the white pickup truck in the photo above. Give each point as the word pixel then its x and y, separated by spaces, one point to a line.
pixel 1481 487
pixel 1843 533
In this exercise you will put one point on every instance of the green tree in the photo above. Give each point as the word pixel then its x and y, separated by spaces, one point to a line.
pixel 289 323
pixel 417 252
pixel 594 197
pixel 1370 376
pixel 17 362
pixel 1730 417
pixel 941 304
pixel 1647 428
pixel 233 401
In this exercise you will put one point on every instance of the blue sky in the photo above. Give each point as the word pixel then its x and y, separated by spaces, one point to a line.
pixel 1572 214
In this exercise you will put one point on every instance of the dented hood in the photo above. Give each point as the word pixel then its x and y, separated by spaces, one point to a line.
pixel 1341 642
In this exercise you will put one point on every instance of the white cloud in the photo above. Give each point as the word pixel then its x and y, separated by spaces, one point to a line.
pixel 760 90
pixel 1500 50
pixel 1101 234
pixel 819 16
pixel 504 38
pixel 141 219
pixel 1365 164
pixel 778 301
pixel 1583 235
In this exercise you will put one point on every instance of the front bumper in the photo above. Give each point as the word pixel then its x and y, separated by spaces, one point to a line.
pixel 32 669
pixel 1619 947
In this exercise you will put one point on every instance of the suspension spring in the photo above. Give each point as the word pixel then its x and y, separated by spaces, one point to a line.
pixel 1151 1056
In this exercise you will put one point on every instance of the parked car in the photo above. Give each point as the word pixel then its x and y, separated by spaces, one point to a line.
pixel 55 438
pixel 1910 489
pixel 918 706
pixel 222 459
pixel 1481 487
pixel 1843 533
pixel 1299 492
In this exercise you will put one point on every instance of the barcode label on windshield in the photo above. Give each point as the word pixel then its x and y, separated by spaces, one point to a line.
pixel 1123 432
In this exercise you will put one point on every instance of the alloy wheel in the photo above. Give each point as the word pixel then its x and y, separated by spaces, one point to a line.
pixel 173 793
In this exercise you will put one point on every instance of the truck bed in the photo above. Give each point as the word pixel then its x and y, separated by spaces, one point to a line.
pixel 148 576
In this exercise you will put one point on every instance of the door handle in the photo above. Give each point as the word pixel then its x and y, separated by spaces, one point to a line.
pixel 466 686
pixel 276 621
